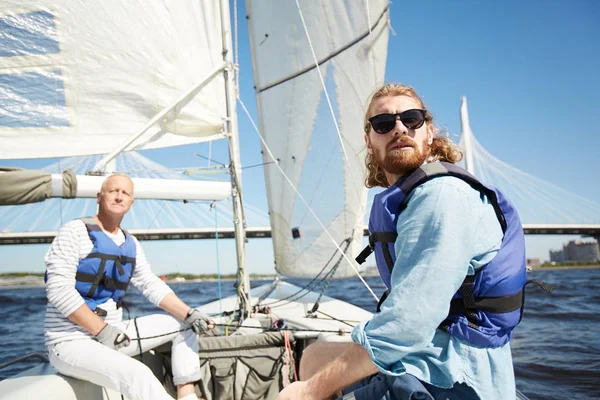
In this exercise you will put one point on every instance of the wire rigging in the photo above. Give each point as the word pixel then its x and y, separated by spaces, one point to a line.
pixel 295 189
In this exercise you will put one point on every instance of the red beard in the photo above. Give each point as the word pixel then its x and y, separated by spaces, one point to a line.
pixel 399 162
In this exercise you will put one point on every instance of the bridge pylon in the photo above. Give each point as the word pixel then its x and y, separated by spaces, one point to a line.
pixel 467 136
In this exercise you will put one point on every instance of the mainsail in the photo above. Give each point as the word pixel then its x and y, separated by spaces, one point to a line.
pixel 79 77
pixel 311 121
pixel 82 77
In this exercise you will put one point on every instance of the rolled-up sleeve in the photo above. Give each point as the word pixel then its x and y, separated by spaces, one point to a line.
pixel 436 243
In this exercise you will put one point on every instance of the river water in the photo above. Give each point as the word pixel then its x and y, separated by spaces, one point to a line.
pixel 556 348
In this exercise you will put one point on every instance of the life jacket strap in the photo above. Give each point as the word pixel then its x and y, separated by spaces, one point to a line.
pixel 382 299
pixel 100 312
pixel 438 169
pixel 498 305
pixel 468 300
pixel 384 238
pixel 94 278
pixel 504 304
pixel 541 284
pixel 108 283
pixel 101 278
pixel 364 254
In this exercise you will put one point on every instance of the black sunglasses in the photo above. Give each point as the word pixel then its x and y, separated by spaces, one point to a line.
pixel 412 119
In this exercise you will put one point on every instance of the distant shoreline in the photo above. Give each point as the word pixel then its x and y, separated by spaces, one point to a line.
pixel 13 280
pixel 555 267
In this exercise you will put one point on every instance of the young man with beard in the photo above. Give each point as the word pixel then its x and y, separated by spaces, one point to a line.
pixel 88 268
pixel 427 341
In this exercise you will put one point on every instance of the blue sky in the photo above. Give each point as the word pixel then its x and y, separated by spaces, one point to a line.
pixel 530 74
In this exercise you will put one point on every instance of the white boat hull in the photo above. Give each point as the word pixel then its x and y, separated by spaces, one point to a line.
pixel 44 381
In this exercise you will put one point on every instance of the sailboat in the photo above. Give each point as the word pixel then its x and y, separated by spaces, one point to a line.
pixel 88 77
pixel 108 77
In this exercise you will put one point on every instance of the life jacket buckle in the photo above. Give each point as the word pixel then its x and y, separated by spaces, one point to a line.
pixel 100 312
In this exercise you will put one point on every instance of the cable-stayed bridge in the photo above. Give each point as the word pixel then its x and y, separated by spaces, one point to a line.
pixel 545 208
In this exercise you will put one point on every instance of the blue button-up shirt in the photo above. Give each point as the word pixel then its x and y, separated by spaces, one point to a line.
pixel 447 231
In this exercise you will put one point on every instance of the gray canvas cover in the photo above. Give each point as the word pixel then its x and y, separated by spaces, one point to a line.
pixel 241 367
pixel 19 186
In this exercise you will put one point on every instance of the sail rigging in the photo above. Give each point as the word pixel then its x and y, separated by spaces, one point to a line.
pixel 73 86
pixel 315 63
pixel 143 84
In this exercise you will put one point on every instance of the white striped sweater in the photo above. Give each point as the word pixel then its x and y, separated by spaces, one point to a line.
pixel 71 245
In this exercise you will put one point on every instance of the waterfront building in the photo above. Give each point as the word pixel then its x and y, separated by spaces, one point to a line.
pixel 577 250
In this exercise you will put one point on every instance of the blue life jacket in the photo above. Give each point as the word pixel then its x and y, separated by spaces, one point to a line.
pixel 489 304
pixel 105 272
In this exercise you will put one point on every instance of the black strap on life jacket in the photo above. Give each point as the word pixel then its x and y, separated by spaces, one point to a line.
pixel 469 304
pixel 438 169
pixel 384 238
pixel 382 299
pixel 100 277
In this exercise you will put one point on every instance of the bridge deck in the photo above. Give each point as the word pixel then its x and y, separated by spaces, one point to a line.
pixel 265 232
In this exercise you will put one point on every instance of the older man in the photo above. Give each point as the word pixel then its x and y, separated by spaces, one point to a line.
pixel 88 268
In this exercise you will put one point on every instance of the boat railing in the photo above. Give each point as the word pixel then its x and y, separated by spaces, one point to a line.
pixel 41 356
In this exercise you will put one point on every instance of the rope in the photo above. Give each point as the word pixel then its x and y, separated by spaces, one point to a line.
pixel 218 261
pixel 157 336
pixel 307 287
pixel 137 332
pixel 236 49
pixel 336 319
pixel 210 159
pixel 339 331
pixel 331 274
pixel 209 153
pixel 290 355
pixel 266 147
pixel 257 165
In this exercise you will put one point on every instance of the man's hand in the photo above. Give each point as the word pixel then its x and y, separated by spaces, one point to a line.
pixel 296 391
pixel 113 337
pixel 198 321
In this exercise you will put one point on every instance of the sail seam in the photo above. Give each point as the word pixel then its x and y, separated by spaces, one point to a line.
pixel 327 58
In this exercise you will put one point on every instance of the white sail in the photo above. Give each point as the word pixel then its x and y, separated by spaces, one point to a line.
pixel 349 40
pixel 79 77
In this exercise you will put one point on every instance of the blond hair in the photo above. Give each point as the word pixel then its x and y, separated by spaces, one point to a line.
pixel 441 149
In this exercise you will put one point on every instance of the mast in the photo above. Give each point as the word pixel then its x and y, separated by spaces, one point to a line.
pixel 467 135
pixel 231 128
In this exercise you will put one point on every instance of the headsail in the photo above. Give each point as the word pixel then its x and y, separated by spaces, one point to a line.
pixel 349 40
pixel 82 73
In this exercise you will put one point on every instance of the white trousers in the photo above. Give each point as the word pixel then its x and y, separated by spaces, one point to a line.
pixel 89 360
